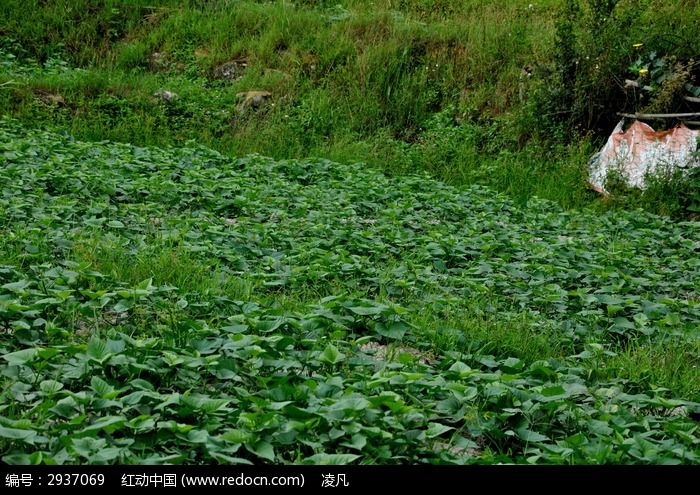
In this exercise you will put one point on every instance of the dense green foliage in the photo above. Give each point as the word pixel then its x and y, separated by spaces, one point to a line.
pixel 512 94
pixel 177 305
pixel 170 295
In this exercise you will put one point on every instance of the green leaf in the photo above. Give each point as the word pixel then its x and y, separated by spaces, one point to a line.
pixel 204 404
pixel 106 455
pixel 553 391
pixel 392 330
pixel 331 459
pixel 142 384
pixel 262 449
pixel 437 429
pixel 18 358
pixel 109 423
pixel 18 286
pixel 609 300
pixel 331 355
pixel 87 446
pixel 27 436
pixel 197 436
pixel 158 460
pixel 236 436
pixel 65 407
pixel 366 310
pixel 461 368
pixel 97 350
pixel 530 436
pixel 514 364
pixel 357 442
pixel 122 306
pixel 624 323
pixel 21 324
pixel 146 284
pixel 50 387
pixel 102 388
pixel 350 404
pixel 229 460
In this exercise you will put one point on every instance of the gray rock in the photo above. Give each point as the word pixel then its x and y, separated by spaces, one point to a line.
pixel 157 62
pixel 252 99
pixel 166 96
pixel 51 98
pixel 231 71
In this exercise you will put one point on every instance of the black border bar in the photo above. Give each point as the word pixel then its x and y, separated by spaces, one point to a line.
pixel 333 478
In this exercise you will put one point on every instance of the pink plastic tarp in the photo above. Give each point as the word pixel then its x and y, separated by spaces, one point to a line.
pixel 640 151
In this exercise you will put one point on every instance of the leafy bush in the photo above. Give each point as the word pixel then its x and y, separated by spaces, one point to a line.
pixel 599 44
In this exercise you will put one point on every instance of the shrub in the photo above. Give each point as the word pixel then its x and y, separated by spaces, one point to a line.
pixel 601 43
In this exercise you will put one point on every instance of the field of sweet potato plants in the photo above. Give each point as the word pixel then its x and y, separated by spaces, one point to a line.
pixel 174 305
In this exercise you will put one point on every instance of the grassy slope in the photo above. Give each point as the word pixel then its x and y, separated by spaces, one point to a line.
pixel 386 85
pixel 401 85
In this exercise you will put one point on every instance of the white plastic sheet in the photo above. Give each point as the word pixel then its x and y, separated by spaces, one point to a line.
pixel 640 151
